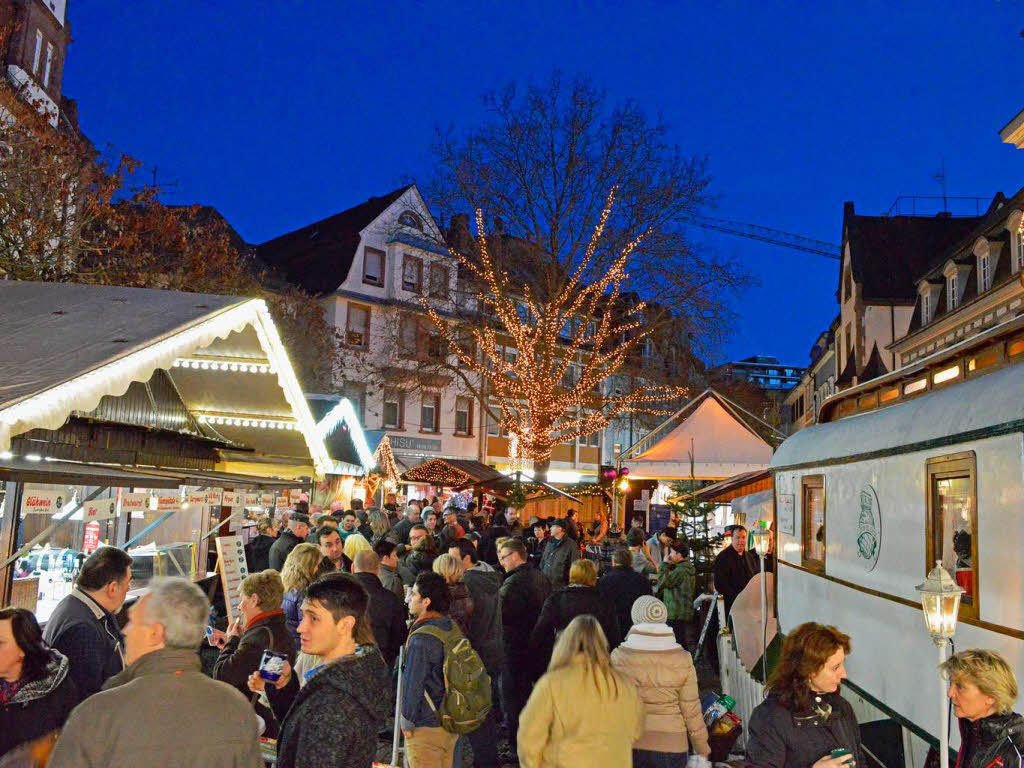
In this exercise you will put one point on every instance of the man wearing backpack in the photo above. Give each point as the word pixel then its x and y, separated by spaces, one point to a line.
pixel 445 690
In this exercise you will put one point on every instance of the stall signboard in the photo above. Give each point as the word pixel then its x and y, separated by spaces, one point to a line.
pixel 168 503
pixel 252 499
pixel 294 495
pixel 282 502
pixel 231 564
pixel 266 499
pixel 92 537
pixel 231 499
pixel 135 503
pixel 196 498
pixel 43 502
pixel 100 509
pixel 213 496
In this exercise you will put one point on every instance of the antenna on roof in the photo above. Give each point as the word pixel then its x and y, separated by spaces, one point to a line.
pixel 941 178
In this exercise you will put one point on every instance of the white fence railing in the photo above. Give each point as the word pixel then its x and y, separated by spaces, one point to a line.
pixel 737 683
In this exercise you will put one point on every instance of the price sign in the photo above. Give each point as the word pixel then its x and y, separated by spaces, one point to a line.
pixel 266 499
pixel 231 499
pixel 232 567
pixel 168 503
pixel 213 496
pixel 92 537
pixel 196 498
pixel 252 499
pixel 294 495
pixel 282 502
pixel 43 502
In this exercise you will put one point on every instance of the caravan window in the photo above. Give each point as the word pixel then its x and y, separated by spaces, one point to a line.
pixel 952 524
pixel 813 506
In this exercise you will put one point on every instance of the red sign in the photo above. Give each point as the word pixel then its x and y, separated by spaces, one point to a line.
pixel 92 537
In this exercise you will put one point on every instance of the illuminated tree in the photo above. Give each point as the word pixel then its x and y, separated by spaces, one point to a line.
pixel 568 344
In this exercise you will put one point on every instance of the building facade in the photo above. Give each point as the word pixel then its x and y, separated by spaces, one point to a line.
pixel 817 383
pixel 34 50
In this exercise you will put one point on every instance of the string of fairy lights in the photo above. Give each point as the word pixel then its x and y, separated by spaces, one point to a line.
pixel 536 402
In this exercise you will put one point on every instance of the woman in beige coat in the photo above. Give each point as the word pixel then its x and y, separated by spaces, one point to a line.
pixel 667 682
pixel 581 712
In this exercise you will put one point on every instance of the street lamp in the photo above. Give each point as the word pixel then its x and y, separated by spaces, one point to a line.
pixel 762 536
pixel 940 599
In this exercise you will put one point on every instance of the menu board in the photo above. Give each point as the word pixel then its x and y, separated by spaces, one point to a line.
pixel 232 568
pixel 101 509
pixel 232 499
pixel 294 495
pixel 43 502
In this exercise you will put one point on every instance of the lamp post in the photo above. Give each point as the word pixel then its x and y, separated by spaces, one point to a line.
pixel 940 599
pixel 762 536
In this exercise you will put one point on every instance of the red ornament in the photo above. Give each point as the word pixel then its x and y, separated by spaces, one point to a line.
pixel 624 471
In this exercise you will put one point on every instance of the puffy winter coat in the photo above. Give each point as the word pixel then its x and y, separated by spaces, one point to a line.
pixel 292 607
pixel 39 706
pixel 780 738
pixel 995 740
pixel 563 606
pixel 667 682
pixel 565 723
pixel 558 557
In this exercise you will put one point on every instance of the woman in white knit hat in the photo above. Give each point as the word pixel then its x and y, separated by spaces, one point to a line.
pixel 667 682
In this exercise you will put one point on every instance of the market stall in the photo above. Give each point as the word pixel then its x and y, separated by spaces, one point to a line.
pixel 141 417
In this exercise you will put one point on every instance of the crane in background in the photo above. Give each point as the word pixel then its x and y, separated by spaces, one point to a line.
pixel 767 235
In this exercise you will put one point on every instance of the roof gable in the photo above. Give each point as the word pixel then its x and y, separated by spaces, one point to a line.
pixel 318 256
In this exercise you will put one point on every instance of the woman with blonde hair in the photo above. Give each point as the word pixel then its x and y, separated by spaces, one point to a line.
pixel 983 690
pixel 461 608
pixel 298 572
pixel 379 525
pixel 804 719
pixel 565 723
pixel 354 544
pixel 563 605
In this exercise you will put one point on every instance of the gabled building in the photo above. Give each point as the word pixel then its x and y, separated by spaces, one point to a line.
pixel 882 258
pixel 970 287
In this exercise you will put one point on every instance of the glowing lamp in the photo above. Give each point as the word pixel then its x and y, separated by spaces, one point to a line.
pixel 761 536
pixel 940 599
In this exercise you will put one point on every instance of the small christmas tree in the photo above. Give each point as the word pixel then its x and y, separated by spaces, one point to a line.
pixel 693 526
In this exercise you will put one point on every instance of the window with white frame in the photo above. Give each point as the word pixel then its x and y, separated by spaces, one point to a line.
pixel 463 416
pixel 393 414
pixel 1018 250
pixel 37 55
pixel 926 307
pixel 373 266
pixel 572 375
pixel 357 326
pixel 430 412
pixel 952 291
pixel 984 272
pixel 49 65
pixel 412 274
pixel 647 350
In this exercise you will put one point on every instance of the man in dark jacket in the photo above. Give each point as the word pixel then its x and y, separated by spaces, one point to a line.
pixel 522 596
pixel 83 627
pixel 489 539
pixel 298 530
pixel 333 720
pixel 257 551
pixel 387 612
pixel 734 567
pixel 389 575
pixel 621 586
pixel 559 555
pixel 400 532
pixel 261 627
pixel 485 635
pixel 426 742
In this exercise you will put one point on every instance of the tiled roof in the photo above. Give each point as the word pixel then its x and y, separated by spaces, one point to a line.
pixel 317 257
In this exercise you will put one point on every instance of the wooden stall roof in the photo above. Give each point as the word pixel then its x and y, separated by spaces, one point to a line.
pixel 452 473
pixel 737 485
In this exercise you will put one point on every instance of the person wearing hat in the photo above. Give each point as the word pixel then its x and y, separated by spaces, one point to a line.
pixel 559 554
pixel 667 683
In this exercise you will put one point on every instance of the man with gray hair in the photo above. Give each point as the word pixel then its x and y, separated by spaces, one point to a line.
pixel 412 517
pixel 162 711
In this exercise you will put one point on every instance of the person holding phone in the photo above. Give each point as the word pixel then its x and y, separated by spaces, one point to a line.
pixel 804 722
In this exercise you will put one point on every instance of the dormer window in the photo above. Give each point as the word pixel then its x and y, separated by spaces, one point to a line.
pixel 410 219
pixel 952 292
pixel 984 272
pixel 1018 249
pixel 926 308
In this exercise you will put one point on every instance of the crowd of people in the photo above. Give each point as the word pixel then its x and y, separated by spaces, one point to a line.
pixel 468 628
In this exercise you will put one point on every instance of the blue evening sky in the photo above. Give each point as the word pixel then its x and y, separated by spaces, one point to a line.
pixel 279 113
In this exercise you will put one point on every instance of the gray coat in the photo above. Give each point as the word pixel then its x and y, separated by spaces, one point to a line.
pixel 557 559
pixel 161 712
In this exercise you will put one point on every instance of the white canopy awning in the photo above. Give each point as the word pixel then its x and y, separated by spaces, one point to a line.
pixel 722 445
pixel 64 347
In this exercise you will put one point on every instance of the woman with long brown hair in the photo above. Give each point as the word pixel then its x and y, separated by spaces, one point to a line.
pixel 805 722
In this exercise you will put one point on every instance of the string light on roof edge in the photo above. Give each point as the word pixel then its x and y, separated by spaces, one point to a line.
pixel 534 399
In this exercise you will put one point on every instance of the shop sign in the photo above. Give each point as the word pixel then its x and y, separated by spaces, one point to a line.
pixel 231 499
pixel 168 503
pixel 295 495
pixel 136 503
pixel 231 564
pixel 266 499
pixel 282 502
pixel 92 537
pixel 213 496
pixel 196 498
pixel 401 443
pixel 101 509
pixel 252 499
pixel 787 513
pixel 43 502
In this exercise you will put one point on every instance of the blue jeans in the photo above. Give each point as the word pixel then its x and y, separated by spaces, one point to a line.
pixel 645 758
